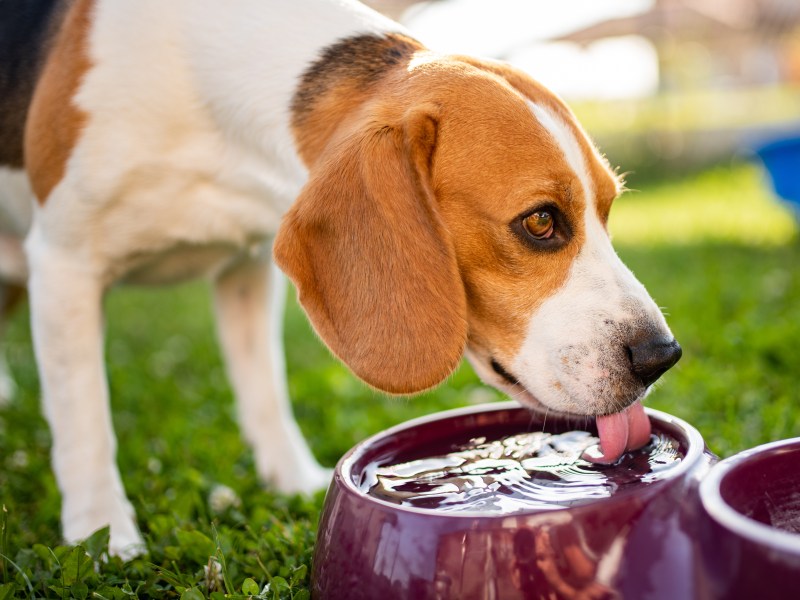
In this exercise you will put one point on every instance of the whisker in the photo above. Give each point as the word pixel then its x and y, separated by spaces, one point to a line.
pixel 516 395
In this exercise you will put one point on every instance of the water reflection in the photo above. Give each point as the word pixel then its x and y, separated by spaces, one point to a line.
pixel 530 470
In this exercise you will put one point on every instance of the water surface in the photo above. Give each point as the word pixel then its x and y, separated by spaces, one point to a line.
pixel 535 470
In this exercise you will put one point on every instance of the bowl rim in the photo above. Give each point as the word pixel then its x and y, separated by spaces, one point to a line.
pixel 731 519
pixel 344 480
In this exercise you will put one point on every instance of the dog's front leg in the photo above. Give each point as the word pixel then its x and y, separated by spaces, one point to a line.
pixel 67 321
pixel 249 306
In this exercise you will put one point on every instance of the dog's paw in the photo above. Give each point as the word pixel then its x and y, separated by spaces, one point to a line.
pixel 290 467
pixel 308 480
pixel 127 545
pixel 125 541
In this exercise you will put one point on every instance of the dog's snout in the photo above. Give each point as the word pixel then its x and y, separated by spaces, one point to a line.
pixel 653 357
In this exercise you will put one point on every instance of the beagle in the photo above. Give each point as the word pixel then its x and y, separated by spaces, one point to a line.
pixel 426 206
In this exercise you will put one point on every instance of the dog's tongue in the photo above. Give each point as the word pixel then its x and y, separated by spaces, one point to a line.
pixel 626 430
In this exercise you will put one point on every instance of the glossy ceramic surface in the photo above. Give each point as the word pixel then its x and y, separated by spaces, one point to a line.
pixel 750 531
pixel 640 543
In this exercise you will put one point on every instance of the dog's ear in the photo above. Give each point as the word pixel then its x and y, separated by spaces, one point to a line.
pixel 372 261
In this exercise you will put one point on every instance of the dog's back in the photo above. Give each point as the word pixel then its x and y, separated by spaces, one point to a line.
pixel 25 28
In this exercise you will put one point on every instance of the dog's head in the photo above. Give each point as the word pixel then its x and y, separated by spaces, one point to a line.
pixel 463 209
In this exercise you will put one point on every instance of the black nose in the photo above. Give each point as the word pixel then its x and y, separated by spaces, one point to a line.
pixel 653 357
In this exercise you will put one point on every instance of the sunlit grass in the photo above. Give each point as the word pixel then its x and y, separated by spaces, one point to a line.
pixel 731 205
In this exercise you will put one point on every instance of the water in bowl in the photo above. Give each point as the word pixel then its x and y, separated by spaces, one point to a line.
pixel 526 471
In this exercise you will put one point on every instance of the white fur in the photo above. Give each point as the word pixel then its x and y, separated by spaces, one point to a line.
pixel 570 364
pixel 184 168
pixel 565 139
pixel 67 323
pixel 249 308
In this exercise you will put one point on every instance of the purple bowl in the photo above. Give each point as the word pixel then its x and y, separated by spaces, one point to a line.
pixel 638 543
pixel 750 533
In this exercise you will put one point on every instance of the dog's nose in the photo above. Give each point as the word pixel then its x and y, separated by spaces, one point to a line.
pixel 653 357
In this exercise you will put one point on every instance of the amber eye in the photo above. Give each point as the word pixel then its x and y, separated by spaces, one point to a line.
pixel 539 225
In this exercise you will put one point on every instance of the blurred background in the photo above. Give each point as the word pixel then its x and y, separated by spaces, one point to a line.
pixel 662 85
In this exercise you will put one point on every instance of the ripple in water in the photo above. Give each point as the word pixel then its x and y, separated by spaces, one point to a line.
pixel 520 472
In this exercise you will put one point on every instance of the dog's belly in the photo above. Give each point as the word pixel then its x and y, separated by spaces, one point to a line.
pixel 186 261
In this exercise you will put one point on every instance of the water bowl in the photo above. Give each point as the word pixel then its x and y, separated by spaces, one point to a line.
pixel 623 536
pixel 750 535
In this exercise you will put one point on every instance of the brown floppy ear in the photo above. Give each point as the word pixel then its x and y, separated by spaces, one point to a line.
pixel 373 262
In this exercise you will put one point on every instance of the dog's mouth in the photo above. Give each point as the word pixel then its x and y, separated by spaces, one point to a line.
pixel 626 430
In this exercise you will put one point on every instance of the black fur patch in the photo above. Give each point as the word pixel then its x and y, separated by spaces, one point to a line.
pixel 500 370
pixel 363 59
pixel 26 28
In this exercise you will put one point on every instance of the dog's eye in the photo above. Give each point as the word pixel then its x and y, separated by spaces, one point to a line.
pixel 539 225
pixel 542 228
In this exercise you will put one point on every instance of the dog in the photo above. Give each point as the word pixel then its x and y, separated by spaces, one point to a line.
pixel 426 206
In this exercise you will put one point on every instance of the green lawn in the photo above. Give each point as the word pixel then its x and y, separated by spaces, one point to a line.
pixel 714 250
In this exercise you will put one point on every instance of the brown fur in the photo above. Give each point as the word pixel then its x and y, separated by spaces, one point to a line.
pixel 373 262
pixel 607 185
pixel 54 121
pixel 27 30
pixel 399 249
pixel 344 77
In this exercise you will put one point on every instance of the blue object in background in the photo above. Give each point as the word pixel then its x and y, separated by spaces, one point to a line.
pixel 781 158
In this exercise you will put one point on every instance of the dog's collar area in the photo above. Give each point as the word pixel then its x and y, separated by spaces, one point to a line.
pixel 500 370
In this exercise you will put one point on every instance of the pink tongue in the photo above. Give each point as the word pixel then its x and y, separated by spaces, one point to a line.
pixel 626 430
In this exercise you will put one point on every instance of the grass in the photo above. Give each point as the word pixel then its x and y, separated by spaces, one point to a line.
pixel 714 249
